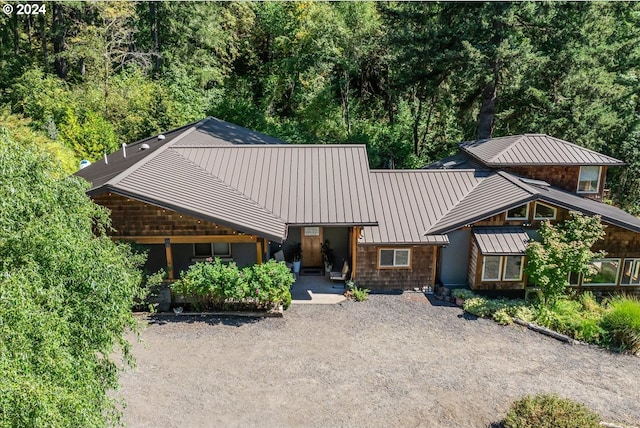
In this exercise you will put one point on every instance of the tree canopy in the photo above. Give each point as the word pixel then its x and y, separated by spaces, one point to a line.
pixel 409 79
pixel 67 292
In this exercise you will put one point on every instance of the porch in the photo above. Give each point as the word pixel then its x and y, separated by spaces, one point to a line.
pixel 316 290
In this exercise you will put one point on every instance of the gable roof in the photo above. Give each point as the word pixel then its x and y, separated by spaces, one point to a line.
pixel 501 240
pixel 502 191
pixel 533 149
pixel 256 189
pixel 407 202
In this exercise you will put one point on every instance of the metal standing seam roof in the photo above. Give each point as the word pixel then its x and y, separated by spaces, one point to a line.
pixel 303 184
pixel 501 240
pixel 533 149
pixel 409 201
pixel 492 196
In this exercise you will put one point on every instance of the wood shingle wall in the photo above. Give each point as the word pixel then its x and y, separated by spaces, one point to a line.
pixel 420 274
pixel 130 217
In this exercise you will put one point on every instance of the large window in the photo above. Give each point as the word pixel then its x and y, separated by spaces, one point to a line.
pixel 518 213
pixel 215 249
pixel 544 212
pixel 631 272
pixel 607 271
pixel 589 180
pixel 502 268
pixel 390 258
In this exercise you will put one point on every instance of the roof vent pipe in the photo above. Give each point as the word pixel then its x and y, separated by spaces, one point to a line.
pixel 106 161
pixel 124 150
pixel 161 137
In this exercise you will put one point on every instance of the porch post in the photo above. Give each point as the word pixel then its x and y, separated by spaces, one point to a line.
pixel 259 251
pixel 169 254
pixel 354 244
pixel 434 265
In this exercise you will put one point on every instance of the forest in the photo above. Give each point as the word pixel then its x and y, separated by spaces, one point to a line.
pixel 408 79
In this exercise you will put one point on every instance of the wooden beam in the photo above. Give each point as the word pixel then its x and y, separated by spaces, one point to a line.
pixel 259 252
pixel 354 250
pixel 169 254
pixel 187 239
pixel 434 265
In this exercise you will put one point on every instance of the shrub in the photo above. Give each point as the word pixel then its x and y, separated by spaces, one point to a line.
pixel 571 318
pixel 501 316
pixel 214 284
pixel 622 323
pixel 462 293
pixel 359 294
pixel 546 411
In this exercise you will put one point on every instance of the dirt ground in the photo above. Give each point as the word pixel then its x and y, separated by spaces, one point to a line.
pixel 395 360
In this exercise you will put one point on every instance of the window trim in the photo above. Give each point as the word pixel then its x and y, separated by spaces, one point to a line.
pixel 394 266
pixel 634 261
pixel 602 284
pixel 525 218
pixel 504 268
pixel 589 192
pixel 535 217
pixel 212 253
pixel 483 278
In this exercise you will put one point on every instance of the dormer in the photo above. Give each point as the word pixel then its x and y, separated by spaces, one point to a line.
pixel 542 157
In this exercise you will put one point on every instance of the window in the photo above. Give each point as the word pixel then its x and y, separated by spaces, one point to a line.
pixel 631 272
pixel 491 267
pixel 606 272
pixel 544 212
pixel 215 249
pixel 312 231
pixel 518 213
pixel 513 268
pixel 502 268
pixel 589 180
pixel 394 258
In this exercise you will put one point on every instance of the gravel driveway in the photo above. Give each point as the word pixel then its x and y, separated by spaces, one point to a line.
pixel 395 360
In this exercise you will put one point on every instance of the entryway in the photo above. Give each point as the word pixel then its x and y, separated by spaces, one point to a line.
pixel 311 248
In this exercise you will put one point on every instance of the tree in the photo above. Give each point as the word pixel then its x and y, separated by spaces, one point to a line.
pixel 66 290
pixel 563 248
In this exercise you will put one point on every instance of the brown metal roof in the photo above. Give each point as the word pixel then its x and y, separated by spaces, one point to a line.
pixel 408 202
pixel 303 184
pixel 501 240
pixel 533 149
pixel 208 131
pixel 492 196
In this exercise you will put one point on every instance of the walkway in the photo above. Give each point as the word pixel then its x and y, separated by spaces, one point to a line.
pixel 316 290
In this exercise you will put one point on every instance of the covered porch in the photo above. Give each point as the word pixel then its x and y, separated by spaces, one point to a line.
pixel 316 290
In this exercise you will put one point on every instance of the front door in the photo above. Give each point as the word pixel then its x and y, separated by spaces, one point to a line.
pixel 311 246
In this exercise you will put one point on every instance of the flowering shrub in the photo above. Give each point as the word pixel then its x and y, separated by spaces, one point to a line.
pixel 213 284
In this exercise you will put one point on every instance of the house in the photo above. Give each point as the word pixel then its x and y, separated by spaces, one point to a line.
pixel 212 188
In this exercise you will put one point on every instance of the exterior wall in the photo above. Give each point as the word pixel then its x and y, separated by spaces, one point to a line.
pixel 156 258
pixel 134 218
pixel 564 177
pixel 420 274
pixel 244 254
pixel 454 258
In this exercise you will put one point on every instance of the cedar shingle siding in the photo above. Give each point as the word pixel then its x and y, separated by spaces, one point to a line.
pixel 420 274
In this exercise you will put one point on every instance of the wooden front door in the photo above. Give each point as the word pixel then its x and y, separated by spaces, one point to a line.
pixel 311 246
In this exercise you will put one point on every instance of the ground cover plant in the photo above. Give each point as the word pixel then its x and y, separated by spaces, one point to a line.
pixel 549 411
pixel 66 290
pixel 614 323
pixel 213 284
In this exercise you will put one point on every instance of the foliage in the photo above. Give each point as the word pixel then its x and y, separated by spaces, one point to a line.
pixel 67 293
pixel 563 248
pixel 214 284
pixel 327 253
pixel 485 307
pixel 296 252
pixel 358 294
pixel 547 411
pixel 622 322
pixel 462 293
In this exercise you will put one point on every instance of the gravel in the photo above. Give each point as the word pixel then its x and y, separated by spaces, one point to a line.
pixel 395 360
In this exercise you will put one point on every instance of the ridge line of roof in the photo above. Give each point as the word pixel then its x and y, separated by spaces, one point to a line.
pixel 508 147
pixel 119 177
pixel 264 146
pixel 421 170
pixel 516 180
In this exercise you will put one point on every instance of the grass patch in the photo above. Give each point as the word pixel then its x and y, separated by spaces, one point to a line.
pixel 547 411
pixel 622 323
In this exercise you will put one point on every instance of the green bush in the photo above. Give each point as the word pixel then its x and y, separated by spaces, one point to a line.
pixel 359 294
pixel 484 307
pixel 622 323
pixel 462 293
pixel 550 411
pixel 213 284
pixel 579 319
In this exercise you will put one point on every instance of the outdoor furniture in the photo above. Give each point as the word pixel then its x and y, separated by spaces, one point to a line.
pixel 279 256
pixel 342 275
